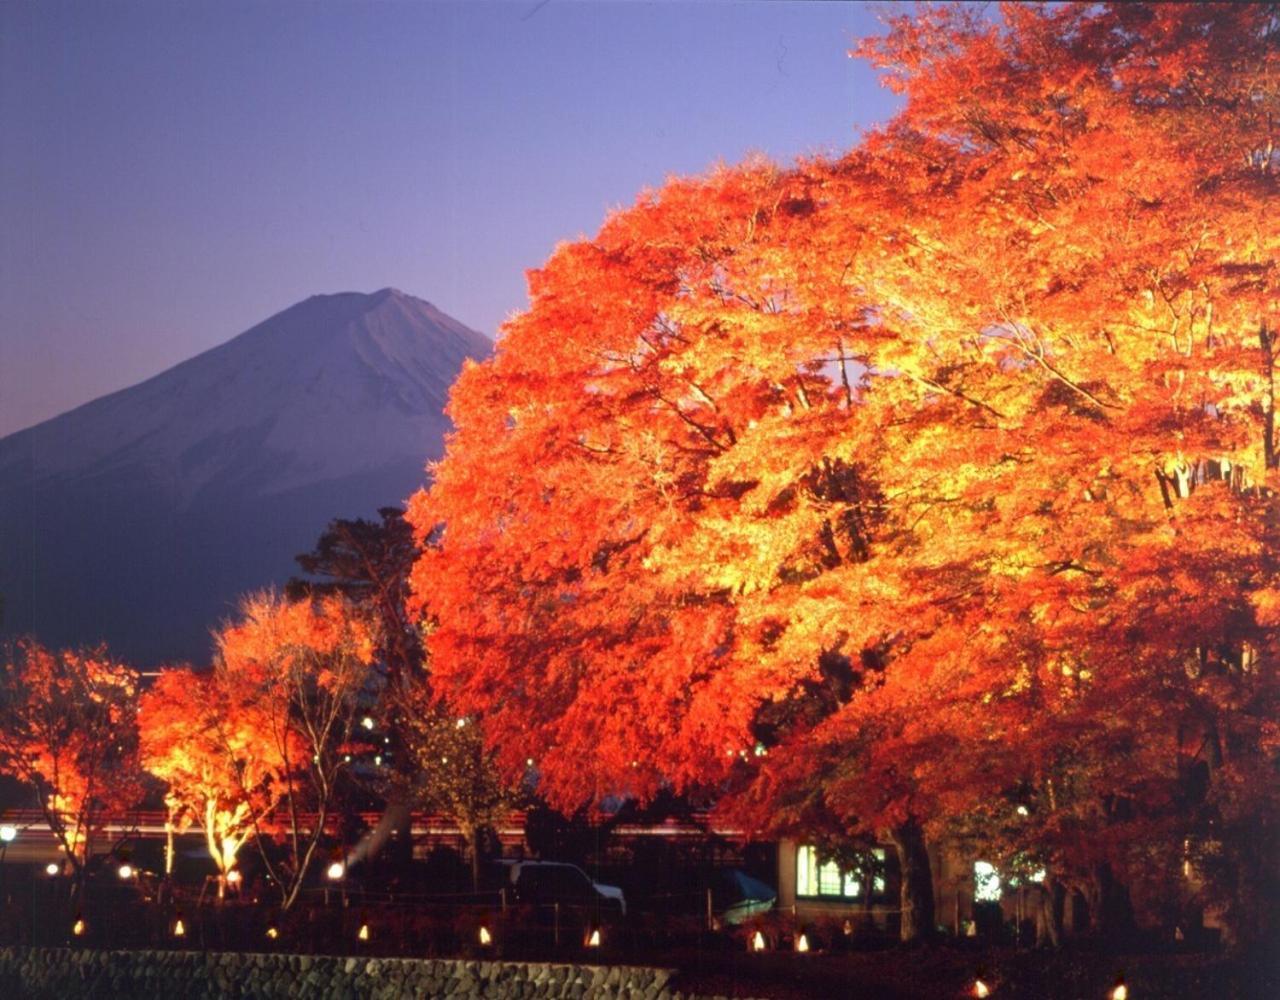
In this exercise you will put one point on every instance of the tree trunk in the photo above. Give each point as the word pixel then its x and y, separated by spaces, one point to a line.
pixel 916 892
pixel 474 836
pixel 1110 910
pixel 1053 897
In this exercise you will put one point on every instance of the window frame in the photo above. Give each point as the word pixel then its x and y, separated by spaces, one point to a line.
pixel 877 890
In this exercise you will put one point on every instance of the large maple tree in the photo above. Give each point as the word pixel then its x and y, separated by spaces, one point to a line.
pixel 926 483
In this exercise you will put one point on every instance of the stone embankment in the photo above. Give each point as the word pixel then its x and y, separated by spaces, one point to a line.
pixel 64 973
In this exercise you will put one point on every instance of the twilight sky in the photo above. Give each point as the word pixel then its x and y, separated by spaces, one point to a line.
pixel 172 172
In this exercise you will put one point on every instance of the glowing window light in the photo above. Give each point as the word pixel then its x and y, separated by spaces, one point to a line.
pixel 986 883
pixel 802 943
pixel 757 942
pixel 486 938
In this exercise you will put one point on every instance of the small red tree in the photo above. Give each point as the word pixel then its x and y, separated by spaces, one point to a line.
pixel 68 729
pixel 208 740
pixel 305 667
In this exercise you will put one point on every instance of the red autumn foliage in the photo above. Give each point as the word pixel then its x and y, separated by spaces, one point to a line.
pixel 209 738
pixel 68 730
pixel 943 473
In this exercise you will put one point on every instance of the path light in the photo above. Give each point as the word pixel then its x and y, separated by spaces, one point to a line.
pixel 78 927
pixel 363 933
pixel 757 942
pixel 1120 991
pixel 981 989
pixel 51 868
pixel 336 871
pixel 179 928
pixel 802 943
pixel 125 871
pixel 486 938
pixel 593 940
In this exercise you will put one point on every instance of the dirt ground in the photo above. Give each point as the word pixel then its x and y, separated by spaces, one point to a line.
pixel 949 973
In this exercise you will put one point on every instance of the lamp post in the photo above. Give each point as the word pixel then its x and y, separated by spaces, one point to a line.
pixel 335 873
pixel 8 832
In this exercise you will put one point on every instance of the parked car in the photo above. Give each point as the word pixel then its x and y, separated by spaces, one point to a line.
pixel 541 883
pixel 736 896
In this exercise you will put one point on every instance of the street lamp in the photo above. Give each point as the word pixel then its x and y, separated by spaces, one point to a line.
pixel 7 834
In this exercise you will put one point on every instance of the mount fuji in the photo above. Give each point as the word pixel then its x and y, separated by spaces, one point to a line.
pixel 140 517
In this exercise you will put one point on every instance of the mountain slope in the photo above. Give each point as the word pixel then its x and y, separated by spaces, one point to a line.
pixel 139 517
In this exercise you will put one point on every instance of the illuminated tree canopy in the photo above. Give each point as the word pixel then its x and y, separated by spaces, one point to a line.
pixel 931 482
pixel 68 729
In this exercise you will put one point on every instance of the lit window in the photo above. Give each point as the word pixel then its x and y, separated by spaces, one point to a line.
pixel 986 883
pixel 828 881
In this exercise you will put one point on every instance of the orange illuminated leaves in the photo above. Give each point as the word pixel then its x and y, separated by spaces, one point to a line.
pixel 68 729
pixel 943 472
pixel 220 750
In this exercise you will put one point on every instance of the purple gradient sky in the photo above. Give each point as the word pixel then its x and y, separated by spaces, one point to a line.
pixel 172 173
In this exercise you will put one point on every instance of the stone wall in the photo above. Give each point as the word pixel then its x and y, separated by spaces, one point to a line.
pixel 63 973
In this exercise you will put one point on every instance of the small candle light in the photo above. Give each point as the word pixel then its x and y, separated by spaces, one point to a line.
pixel 486 938
pixel 757 942
pixel 802 943
pixel 593 939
